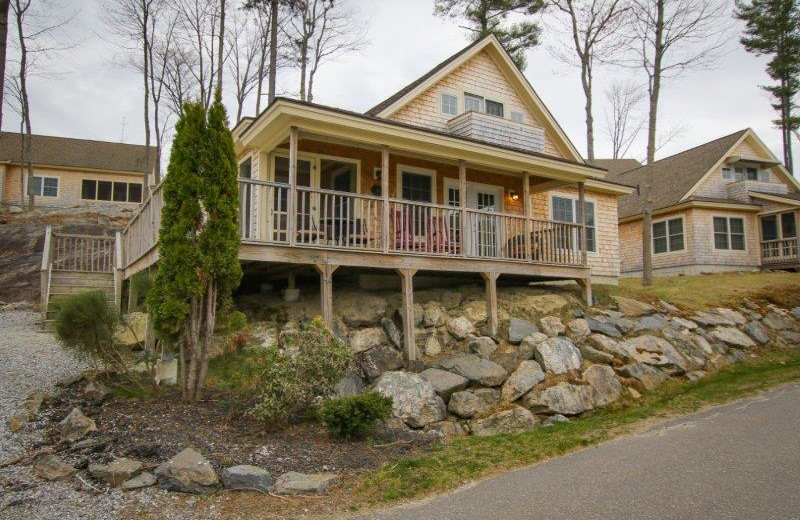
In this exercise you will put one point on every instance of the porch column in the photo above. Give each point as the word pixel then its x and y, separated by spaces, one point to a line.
pixel 326 291
pixel 582 221
pixel 291 217
pixel 490 277
pixel 586 285
pixel 409 336
pixel 462 203
pixel 385 195
pixel 528 205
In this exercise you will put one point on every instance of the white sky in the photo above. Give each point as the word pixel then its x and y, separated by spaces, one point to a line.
pixel 95 97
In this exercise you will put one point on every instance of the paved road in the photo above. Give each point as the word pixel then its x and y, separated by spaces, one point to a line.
pixel 736 461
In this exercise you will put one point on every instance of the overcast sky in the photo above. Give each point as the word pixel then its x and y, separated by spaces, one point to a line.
pixel 96 97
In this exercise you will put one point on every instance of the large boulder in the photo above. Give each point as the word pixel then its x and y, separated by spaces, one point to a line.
pixel 392 332
pixel 563 398
pixel 649 377
pixel 757 332
pixel 414 400
pixel 378 360
pixel 470 403
pixel 460 327
pixel 558 355
pixel 605 387
pixel 653 322
pixel 52 467
pixel 133 331
pixel 633 308
pixel 708 319
pixel 796 312
pixel 116 472
pixel 433 315
pixel 293 483
pixel 528 345
pixel 664 353
pixel 360 309
pixel 76 426
pixel 483 346
pixel 692 346
pixel 603 325
pixel 475 311
pixel 610 346
pixel 444 382
pixel 552 326
pixel 246 477
pixel 432 346
pixel 732 315
pixel 142 480
pixel 187 472
pixel 775 321
pixel 361 340
pixel 350 385
pixel 593 355
pixel 476 369
pixel 514 420
pixel 542 303
pixel 527 375
pixel 578 329
pixel 519 329
pixel 680 323
pixel 732 337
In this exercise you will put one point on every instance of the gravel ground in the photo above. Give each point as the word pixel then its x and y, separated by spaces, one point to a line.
pixel 30 359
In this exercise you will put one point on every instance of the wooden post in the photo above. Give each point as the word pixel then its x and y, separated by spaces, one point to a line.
pixel 528 205
pixel 44 273
pixel 462 202
pixel 582 221
pixel 291 217
pixel 118 274
pixel 490 278
pixel 586 285
pixel 409 335
pixel 385 195
pixel 326 291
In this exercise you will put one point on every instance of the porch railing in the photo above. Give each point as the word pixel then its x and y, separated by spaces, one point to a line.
pixel 82 253
pixel 141 234
pixel 780 251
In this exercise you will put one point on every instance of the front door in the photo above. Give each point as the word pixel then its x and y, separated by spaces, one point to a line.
pixel 486 227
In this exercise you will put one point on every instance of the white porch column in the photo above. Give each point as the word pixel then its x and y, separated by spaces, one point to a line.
pixel 462 202
pixel 582 221
pixel 528 205
pixel 291 217
pixel 385 195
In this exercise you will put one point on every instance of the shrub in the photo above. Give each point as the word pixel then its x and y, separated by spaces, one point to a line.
pixel 139 286
pixel 352 416
pixel 85 325
pixel 293 380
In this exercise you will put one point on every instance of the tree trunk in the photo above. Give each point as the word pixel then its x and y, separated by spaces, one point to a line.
pixel 303 68
pixel 207 339
pixel 221 44
pixel 260 85
pixel 273 50
pixel 3 45
pixel 146 77
pixel 586 81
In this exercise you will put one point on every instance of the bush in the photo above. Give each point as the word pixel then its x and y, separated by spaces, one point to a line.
pixel 352 416
pixel 85 325
pixel 293 380
pixel 140 285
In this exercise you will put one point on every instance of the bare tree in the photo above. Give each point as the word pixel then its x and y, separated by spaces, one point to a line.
pixel 623 123
pixel 320 30
pixel 160 51
pixel 669 37
pixel 245 41
pixel 178 78
pixel 198 24
pixel 4 4
pixel 595 28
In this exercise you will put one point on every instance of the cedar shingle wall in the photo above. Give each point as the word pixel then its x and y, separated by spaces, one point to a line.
pixel 716 186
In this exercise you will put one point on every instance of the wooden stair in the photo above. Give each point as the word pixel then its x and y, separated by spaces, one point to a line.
pixel 67 283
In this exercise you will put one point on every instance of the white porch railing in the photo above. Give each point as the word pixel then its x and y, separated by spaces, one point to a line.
pixel 141 234
pixel 780 251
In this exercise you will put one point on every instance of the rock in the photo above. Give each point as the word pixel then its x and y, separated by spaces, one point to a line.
pixel 611 346
pixel 555 419
pixel 414 399
pixel 350 385
pixel 143 480
pixel 475 311
pixel 733 337
pixel 707 319
pixel 134 331
pixel 717 361
pixel 116 472
pixel 653 322
pixel 790 338
pixel 605 387
pixel 474 368
pixel 578 329
pixel 519 329
pixel 668 307
pixel 694 347
pixel 683 323
pixel 432 347
pixel 732 315
pixel 603 325
pixel 634 393
pixel 245 477
pixel 527 375
pixel 444 382
pixel 528 345
pixel 757 332
pixel 552 326
pixel 665 353
pixel 361 340
pixel 95 391
pixel 52 467
pixel 187 472
pixel 380 359
pixel 293 483
pixel 460 327
pixel 360 309
pixel 469 403
pixel 392 332
pixel 649 377
pixel 563 398
pixel 796 312
pixel 775 321
pixel 76 426
pixel 633 308
pixel 433 315
pixel 695 375
pixel 33 402
pixel 17 421
pixel 513 420
pixel 593 355
pixel 507 358
pixel 483 346
pixel 558 355
pixel 543 303
pixel 446 429
pixel 419 314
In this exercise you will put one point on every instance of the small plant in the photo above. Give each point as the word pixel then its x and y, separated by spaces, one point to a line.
pixel 140 285
pixel 353 416
pixel 85 325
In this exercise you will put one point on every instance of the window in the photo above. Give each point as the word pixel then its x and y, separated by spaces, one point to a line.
pixel 517 117
pixel 494 108
pixel 668 236
pixel 752 174
pixel 729 233
pixel 739 174
pixel 763 176
pixel 473 103
pixel 788 225
pixel 565 209
pixel 449 104
pixel 453 197
pixel 726 173
pixel 245 168
pixel 769 227
pixel 92 189
pixel 44 186
pixel 417 187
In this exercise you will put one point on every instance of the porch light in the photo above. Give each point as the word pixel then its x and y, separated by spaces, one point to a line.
pixel 513 194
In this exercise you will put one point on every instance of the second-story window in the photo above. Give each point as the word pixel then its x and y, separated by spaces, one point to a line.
pixel 726 173
pixel 517 117
pixel 494 108
pixel 449 104
pixel 752 174
pixel 473 103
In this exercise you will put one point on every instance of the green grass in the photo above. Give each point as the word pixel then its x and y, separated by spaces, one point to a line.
pixel 469 458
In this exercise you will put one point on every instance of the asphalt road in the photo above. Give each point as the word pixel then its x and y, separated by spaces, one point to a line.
pixel 740 460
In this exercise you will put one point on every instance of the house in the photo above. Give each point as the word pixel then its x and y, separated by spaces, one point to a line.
pixel 463 172
pixel 726 205
pixel 75 172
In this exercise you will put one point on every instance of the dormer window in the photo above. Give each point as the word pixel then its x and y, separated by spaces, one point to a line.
pixel 752 174
pixel 726 173
pixel 494 108
pixel 473 103
pixel 449 104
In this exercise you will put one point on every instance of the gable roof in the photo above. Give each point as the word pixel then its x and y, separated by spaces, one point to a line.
pixel 616 166
pixel 78 153
pixel 497 52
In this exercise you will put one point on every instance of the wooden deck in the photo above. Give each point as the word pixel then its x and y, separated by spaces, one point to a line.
pixel 780 254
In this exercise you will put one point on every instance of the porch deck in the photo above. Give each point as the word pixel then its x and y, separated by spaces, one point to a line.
pixel 780 254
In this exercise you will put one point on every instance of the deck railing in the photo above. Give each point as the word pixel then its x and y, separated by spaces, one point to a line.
pixel 783 251
pixel 141 235
pixel 86 253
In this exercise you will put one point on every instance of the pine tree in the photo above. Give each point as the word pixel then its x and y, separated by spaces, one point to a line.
pixel 773 29
pixel 486 17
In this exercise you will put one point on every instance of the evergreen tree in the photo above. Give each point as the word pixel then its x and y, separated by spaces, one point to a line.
pixel 773 29
pixel 486 17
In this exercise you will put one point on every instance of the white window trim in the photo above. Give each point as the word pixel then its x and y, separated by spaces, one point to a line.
pixel 420 171
pixel 744 233
pixel 316 165
pixel 43 177
pixel 653 236
pixel 574 200
pixel 443 93
pixel 521 116
pixel 474 94
pixel 450 182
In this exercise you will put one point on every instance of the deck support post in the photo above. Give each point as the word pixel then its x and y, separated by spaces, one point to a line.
pixel 462 203
pixel 385 195
pixel 582 221
pixel 528 207
pixel 326 291
pixel 490 278
pixel 586 285
pixel 291 220
pixel 409 335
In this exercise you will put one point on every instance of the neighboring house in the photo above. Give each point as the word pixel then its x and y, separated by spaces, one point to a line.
pixel 75 172
pixel 462 172
pixel 726 205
